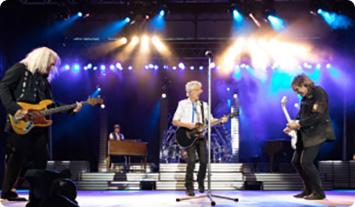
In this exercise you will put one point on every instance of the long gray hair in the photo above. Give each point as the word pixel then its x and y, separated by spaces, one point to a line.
pixel 39 59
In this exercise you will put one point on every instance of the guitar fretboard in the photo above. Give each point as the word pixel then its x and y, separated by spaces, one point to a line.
pixel 51 111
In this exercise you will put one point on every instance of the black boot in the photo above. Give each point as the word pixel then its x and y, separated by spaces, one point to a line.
pixel 12 196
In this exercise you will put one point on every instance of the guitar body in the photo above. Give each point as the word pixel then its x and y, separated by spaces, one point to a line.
pixel 187 137
pixel 293 133
pixel 23 126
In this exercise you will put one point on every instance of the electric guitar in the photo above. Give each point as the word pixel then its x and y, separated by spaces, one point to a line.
pixel 186 137
pixel 293 133
pixel 36 116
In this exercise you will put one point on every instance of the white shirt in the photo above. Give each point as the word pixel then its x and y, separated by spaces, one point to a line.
pixel 189 113
pixel 119 136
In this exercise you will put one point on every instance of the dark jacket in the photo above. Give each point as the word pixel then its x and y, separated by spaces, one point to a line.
pixel 314 118
pixel 20 85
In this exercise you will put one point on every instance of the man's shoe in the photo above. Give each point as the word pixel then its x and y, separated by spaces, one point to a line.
pixel 12 196
pixel 301 195
pixel 315 196
pixel 201 187
pixel 190 192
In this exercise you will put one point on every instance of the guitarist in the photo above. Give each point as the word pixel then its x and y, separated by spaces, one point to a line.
pixel 26 81
pixel 313 128
pixel 189 112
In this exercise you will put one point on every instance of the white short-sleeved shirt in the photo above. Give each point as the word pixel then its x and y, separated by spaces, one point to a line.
pixel 188 113
pixel 119 136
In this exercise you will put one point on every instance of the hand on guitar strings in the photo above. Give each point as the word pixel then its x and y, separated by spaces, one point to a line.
pixel 78 107
pixel 287 130
pixel 294 124
pixel 20 114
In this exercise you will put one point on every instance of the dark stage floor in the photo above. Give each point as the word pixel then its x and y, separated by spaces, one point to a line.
pixel 167 198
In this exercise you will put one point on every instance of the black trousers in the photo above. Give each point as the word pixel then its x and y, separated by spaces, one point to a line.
pixel 24 151
pixel 303 160
pixel 201 148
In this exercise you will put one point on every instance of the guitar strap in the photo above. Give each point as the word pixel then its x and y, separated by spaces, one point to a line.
pixel 202 112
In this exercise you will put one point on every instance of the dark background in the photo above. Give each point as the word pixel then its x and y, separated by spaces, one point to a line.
pixel 133 99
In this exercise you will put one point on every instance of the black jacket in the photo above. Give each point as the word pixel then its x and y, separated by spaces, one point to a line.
pixel 314 118
pixel 20 85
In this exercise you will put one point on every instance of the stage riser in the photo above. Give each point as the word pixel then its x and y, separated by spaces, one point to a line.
pixel 334 174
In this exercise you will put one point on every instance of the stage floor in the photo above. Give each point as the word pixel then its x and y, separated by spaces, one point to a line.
pixel 167 198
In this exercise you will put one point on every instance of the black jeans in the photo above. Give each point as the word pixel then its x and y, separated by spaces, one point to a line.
pixel 303 160
pixel 30 150
pixel 201 148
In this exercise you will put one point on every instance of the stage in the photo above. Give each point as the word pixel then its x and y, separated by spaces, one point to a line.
pixel 167 198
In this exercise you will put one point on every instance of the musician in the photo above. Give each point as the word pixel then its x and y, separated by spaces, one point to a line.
pixel 313 128
pixel 26 81
pixel 188 113
pixel 116 134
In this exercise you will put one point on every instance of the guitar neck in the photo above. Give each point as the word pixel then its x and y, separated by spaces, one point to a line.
pixel 59 109
pixel 287 115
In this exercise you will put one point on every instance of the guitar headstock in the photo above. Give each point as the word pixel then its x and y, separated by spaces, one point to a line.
pixel 94 101
pixel 284 101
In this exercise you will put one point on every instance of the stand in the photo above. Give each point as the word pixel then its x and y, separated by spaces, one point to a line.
pixel 209 194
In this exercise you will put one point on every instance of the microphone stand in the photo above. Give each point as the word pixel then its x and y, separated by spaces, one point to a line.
pixel 209 193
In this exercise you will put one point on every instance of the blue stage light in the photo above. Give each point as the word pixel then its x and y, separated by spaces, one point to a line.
pixel 76 67
pixel 162 12
pixel 276 22
pixel 127 19
pixel 80 14
pixel 334 20
pixel 237 16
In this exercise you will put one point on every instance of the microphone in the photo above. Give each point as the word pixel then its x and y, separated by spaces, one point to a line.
pixel 208 53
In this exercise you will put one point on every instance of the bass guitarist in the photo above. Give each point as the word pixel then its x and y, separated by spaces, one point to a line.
pixel 26 81
pixel 189 113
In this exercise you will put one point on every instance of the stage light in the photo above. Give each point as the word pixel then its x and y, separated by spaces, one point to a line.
pixel 160 46
pixel 213 65
pixel 89 66
pixel 102 106
pixel 127 19
pixel 112 67
pixel 130 67
pixel 257 23
pixel 67 67
pixel 201 67
pixel 174 67
pixel 276 22
pixel 328 66
pixel 165 67
pixel 150 66
pixel 334 20
pixel 192 67
pixel 95 68
pixel 144 44
pixel 80 14
pixel 181 66
pixel 76 67
pixel 102 67
pixel 237 16
pixel 163 95
pixel 235 96
pixel 162 12
pixel 119 66
pixel 228 89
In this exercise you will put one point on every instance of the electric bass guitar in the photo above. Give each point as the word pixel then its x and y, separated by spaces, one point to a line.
pixel 293 133
pixel 37 113
pixel 186 137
